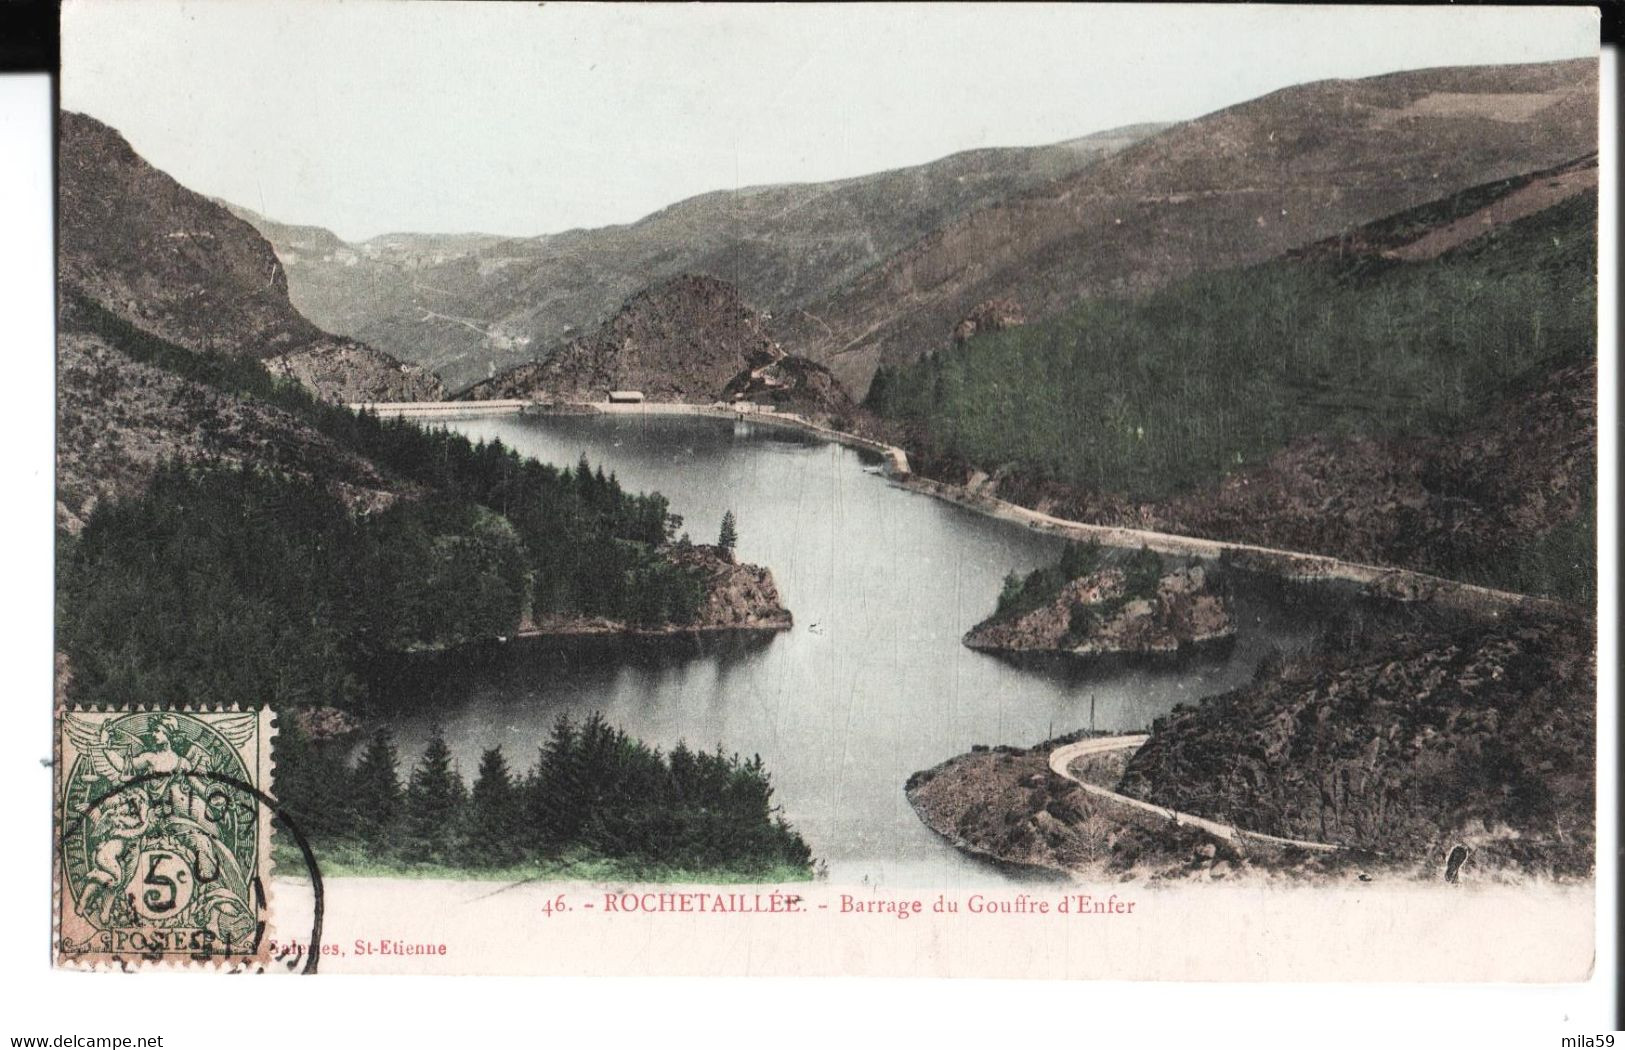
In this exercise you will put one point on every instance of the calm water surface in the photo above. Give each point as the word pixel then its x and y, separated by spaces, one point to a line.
pixel 870 685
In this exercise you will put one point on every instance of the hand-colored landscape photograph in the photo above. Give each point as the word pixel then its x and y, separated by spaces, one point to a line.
pixel 873 489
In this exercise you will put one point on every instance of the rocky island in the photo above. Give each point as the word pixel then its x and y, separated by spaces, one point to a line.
pixel 1083 607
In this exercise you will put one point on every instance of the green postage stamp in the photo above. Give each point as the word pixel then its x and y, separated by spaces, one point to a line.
pixel 164 836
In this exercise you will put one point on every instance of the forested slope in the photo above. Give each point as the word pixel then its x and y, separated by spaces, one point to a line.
pixel 1435 413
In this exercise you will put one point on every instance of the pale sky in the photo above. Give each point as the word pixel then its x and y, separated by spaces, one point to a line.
pixel 371 116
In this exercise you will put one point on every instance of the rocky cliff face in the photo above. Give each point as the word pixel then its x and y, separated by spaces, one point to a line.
pixel 1443 506
pixel 182 267
pixel 1236 187
pixel 1407 741
pixel 690 340
pixel 737 596
pixel 1097 615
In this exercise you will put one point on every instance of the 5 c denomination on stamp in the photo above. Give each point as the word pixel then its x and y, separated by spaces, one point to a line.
pixel 164 836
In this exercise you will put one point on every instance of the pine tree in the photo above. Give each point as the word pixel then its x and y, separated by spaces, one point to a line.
pixel 493 812
pixel 728 537
pixel 1010 593
pixel 375 792
pixel 557 802
pixel 434 804
pixel 1079 559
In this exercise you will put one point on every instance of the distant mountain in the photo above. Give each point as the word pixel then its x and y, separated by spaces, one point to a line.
pixel 1236 187
pixel 175 264
pixel 335 282
pixel 690 339
pixel 470 306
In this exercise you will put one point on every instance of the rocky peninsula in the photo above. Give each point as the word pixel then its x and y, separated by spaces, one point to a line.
pixel 1134 609
pixel 1404 738
pixel 737 597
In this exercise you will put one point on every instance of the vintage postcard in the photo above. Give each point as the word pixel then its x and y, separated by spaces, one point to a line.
pixel 1062 492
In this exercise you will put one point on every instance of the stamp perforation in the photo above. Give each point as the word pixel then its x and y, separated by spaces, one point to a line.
pixel 177 796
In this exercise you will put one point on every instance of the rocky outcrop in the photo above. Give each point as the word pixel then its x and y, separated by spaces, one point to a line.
pixel 1400 736
pixel 1407 739
pixel 680 341
pixel 689 340
pixel 738 597
pixel 181 267
pixel 1099 615
pixel 1236 187
pixel 994 315
pixel 1442 506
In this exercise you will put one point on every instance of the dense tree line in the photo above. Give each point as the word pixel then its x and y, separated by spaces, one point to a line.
pixel 590 545
pixel 591 791
pixel 234 584
pixel 1145 398
pixel 239 584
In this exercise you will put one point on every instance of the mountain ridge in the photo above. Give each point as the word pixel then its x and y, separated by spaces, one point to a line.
pixel 1240 185
pixel 182 267
pixel 513 300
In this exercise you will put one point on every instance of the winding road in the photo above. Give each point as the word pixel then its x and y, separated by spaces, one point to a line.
pixel 1060 762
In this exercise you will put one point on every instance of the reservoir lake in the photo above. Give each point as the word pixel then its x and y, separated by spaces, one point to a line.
pixel 870 685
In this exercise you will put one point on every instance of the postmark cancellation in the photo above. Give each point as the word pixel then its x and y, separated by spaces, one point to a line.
pixel 163 851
